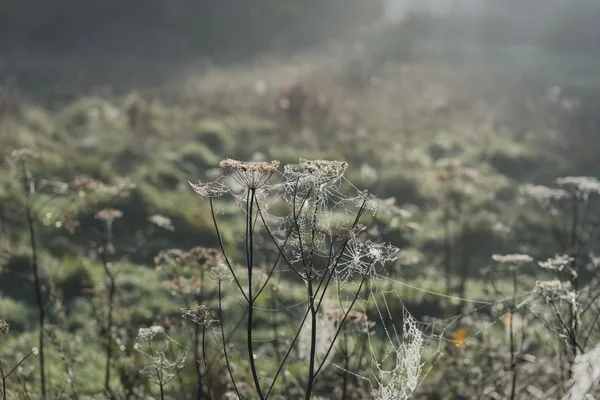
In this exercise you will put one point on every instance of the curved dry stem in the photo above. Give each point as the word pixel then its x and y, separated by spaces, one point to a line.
pixel 218 232
pixel 225 342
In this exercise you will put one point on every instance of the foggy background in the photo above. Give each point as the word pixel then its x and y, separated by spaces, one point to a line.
pixel 446 110
pixel 89 35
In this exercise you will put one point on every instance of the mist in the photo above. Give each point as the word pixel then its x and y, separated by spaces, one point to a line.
pixel 285 199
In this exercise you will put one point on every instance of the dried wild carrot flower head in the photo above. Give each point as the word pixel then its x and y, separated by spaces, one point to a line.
pixel 203 256
pixel 23 154
pixel 4 327
pixel 314 174
pixel 338 228
pixel 162 222
pixel 512 259
pixel 209 190
pixel 108 215
pixel 199 314
pixel 251 175
pixel 85 185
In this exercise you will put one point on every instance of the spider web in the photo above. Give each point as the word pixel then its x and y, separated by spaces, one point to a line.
pixel 397 367
pixel 401 369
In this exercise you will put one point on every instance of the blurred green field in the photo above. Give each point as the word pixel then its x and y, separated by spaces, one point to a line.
pixel 399 125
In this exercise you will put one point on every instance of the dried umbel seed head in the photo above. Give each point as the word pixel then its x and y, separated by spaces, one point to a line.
pixel 203 256
pixel 251 175
pixel 199 314
pixel 108 215
pixel 209 190
pixel 221 272
pixel 557 263
pixel 169 258
pixel 85 185
pixel 4 327
pixel 314 174
pixel 196 257
pixel 162 222
pixel 542 194
pixel 512 259
pixel 339 229
pixel 23 154
pixel 548 288
pixel 145 334
pixel 582 184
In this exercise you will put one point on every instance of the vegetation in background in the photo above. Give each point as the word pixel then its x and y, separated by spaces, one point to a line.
pixel 485 176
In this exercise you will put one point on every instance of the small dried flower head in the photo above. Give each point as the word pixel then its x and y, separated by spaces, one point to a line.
pixel 581 184
pixel 4 327
pixel 512 259
pixel 251 175
pixel 169 258
pixel 145 334
pixel 85 185
pixel 221 272
pixel 108 215
pixel 559 263
pixel 542 194
pixel 195 258
pixel 209 190
pixel 35 351
pixel 314 174
pixel 338 228
pixel 548 288
pixel 203 257
pixel 199 314
pixel 162 222
pixel 166 356
pixel 23 154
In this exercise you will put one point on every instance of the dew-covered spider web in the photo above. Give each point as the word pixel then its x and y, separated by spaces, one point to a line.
pixel 312 221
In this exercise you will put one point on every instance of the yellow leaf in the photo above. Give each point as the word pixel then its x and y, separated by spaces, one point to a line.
pixel 460 337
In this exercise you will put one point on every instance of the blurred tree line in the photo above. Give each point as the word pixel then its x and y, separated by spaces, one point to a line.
pixel 219 29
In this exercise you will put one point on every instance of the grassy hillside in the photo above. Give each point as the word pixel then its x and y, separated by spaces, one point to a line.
pixel 446 149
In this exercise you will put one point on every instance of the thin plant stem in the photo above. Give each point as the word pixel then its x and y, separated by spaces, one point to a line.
pixel 158 372
pixel 17 366
pixel 513 364
pixel 111 296
pixel 313 341
pixel 250 260
pixel 204 361
pixel 311 304
pixel 287 354
pixel 225 341
pixel 218 233
pixel 199 391
pixel 27 188
pixel 3 393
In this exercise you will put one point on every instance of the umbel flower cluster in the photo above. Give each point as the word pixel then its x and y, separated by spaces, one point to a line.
pixel 308 217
